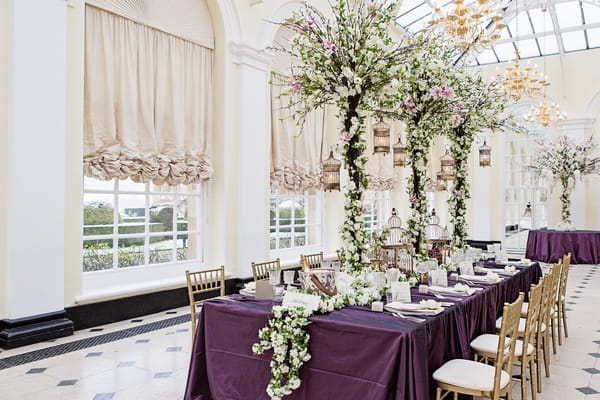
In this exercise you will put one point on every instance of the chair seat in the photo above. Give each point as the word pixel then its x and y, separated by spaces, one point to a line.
pixel 470 375
pixel 522 323
pixel 488 343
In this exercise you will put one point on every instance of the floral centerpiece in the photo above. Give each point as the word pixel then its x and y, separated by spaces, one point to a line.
pixel 481 106
pixel 563 160
pixel 429 107
pixel 350 61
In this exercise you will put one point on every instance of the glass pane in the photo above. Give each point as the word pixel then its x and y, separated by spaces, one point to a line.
pixel 187 247
pixel 161 212
pixel 594 37
pixel 528 48
pixel 542 21
pixel 505 51
pixel 520 26
pixel 96 184
pixel 573 40
pixel 591 13
pixel 130 186
pixel 299 236
pixel 548 44
pixel 97 255
pixel 98 214
pixel 188 213
pixel 487 57
pixel 568 14
pixel 131 252
pixel 132 210
pixel 285 240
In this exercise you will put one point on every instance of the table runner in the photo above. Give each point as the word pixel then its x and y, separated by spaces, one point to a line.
pixel 356 353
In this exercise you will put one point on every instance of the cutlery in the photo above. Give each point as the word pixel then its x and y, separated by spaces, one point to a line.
pixel 408 317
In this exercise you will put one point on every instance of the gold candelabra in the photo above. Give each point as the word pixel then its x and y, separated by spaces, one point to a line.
pixel 472 26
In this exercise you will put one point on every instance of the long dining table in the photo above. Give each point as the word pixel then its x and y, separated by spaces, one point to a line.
pixel 356 353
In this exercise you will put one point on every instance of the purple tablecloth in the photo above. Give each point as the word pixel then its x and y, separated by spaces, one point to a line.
pixel 549 246
pixel 356 353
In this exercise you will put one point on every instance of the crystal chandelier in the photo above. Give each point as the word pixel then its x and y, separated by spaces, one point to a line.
pixel 473 26
pixel 545 114
pixel 521 81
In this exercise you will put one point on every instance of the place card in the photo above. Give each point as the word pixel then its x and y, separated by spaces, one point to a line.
pixel 297 299
pixel 438 277
pixel 466 267
pixel 400 292
pixel 264 290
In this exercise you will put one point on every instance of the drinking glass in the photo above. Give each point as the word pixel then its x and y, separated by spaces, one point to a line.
pixel 288 277
pixel 275 280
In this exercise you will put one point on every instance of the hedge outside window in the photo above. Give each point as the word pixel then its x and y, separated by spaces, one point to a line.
pixel 128 224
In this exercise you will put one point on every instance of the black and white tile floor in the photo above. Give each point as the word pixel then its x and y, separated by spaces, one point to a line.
pixel 148 357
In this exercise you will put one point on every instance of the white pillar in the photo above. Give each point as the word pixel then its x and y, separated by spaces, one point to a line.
pixel 254 144
pixel 35 171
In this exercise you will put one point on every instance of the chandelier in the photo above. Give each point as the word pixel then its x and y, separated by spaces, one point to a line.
pixel 473 26
pixel 521 81
pixel 545 114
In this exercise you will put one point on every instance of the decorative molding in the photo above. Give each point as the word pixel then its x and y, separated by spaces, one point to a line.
pixel 245 54
pixel 575 124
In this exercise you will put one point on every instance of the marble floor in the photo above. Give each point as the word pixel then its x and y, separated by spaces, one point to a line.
pixel 147 358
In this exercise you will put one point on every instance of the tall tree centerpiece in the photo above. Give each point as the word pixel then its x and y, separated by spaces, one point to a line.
pixel 429 107
pixel 351 61
pixel 563 160
pixel 481 106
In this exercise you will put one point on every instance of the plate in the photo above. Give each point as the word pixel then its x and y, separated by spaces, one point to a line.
pixel 500 271
pixel 248 292
pixel 451 291
pixel 479 279
pixel 411 309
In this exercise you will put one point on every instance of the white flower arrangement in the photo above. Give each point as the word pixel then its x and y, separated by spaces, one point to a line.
pixel 563 160
pixel 286 333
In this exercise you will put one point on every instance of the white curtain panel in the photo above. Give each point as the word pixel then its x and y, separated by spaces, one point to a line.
pixel 295 154
pixel 147 103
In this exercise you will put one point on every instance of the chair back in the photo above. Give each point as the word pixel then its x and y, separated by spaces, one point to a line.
pixel 549 294
pixel 261 270
pixel 564 276
pixel 507 340
pixel 534 312
pixel 310 261
pixel 198 282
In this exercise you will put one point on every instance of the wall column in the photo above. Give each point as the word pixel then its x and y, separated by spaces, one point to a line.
pixel 34 174
pixel 253 135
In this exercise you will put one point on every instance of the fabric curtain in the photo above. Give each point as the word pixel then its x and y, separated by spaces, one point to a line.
pixel 295 155
pixel 147 103
pixel 380 167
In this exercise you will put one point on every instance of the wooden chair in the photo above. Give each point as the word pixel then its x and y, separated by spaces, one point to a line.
pixel 310 261
pixel 560 306
pixel 526 354
pixel 474 378
pixel 199 282
pixel 261 270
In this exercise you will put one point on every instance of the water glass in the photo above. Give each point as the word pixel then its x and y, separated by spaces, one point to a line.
pixel 274 277
pixel 288 277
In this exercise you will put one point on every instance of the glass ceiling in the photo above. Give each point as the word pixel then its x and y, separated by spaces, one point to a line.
pixel 541 27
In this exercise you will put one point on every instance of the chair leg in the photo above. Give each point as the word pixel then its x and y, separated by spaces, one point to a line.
pixel 532 379
pixel 438 393
pixel 564 318
pixel 553 334
pixel 559 324
pixel 523 378
pixel 538 367
pixel 547 355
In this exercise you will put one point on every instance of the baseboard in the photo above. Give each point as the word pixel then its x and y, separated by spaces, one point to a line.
pixel 105 312
pixel 34 329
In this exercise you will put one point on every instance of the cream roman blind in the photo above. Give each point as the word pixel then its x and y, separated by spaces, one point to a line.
pixel 147 103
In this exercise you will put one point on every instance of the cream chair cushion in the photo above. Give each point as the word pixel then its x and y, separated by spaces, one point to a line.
pixel 488 343
pixel 470 375
pixel 522 322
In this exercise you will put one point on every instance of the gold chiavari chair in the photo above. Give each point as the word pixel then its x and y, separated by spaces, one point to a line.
pixel 475 378
pixel 310 261
pixel 261 270
pixel 199 282
pixel 561 307
pixel 526 354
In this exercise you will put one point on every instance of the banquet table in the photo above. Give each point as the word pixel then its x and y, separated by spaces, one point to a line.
pixel 356 353
pixel 549 246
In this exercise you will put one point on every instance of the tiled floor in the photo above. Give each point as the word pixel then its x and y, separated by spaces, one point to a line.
pixel 133 365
